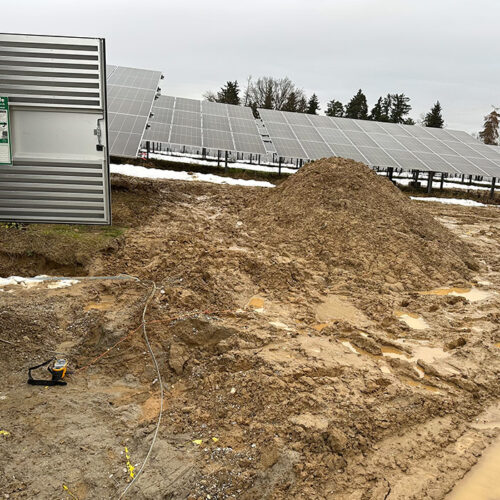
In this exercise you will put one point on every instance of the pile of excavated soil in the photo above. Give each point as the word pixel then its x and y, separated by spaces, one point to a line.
pixel 353 220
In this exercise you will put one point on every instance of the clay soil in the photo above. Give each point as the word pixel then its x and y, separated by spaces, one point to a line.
pixel 279 328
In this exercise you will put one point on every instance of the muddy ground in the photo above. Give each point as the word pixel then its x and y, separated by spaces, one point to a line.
pixel 285 376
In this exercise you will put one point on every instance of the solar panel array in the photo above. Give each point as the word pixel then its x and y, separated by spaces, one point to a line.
pixel 131 93
pixel 204 124
pixel 409 147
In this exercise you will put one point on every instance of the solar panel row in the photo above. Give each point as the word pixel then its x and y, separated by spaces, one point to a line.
pixel 298 135
pixel 131 93
pixel 204 124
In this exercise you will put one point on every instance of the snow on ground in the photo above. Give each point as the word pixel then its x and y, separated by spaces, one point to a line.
pixel 448 185
pixel 155 173
pixel 452 201
pixel 31 282
pixel 238 164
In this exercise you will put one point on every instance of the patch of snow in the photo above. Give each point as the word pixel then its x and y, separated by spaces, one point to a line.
pixel 155 173
pixel 62 283
pixel 238 164
pixel 446 185
pixel 452 201
pixel 31 282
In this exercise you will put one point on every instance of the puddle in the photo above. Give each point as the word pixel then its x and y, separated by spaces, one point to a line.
pixel 423 352
pixel 490 419
pixel 256 303
pixel 413 320
pixel 357 350
pixel 481 482
pixel 471 294
pixel 392 352
pixel 420 385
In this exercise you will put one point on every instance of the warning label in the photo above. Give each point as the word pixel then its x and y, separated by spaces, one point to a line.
pixel 5 150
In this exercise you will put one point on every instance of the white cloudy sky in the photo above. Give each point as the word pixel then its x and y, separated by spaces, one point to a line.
pixel 428 49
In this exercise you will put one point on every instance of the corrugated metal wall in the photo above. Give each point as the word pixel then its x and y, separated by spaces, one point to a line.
pixel 57 93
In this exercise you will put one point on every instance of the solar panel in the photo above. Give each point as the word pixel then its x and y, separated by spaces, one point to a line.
pixel 281 130
pixel 183 104
pixel 307 133
pixel 211 125
pixel 214 122
pixel 188 136
pixel 218 139
pixel 131 93
pixel 289 148
pixel 214 108
pixel 239 112
pixel 377 156
pixel 333 135
pixel 350 152
pixel 296 118
pixel 185 119
pixel 247 142
pixel 322 121
pixel 317 149
pixel 379 144
pixel 243 126
pixel 385 141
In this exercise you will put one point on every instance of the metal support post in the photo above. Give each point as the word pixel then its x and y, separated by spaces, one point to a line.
pixel 429 182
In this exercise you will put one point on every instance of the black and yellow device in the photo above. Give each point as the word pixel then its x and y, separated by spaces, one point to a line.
pixel 56 367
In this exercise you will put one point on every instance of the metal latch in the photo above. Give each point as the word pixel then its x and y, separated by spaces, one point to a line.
pixel 98 133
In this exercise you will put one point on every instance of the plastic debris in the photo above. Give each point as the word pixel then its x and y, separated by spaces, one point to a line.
pixel 130 467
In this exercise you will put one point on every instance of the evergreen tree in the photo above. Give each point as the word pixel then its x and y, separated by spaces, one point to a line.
pixel 400 108
pixel 385 116
pixel 357 107
pixel 229 93
pixel 334 108
pixel 291 104
pixel 489 134
pixel 313 105
pixel 302 105
pixel 434 117
pixel 376 114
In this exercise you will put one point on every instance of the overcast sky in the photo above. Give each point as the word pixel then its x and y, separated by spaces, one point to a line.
pixel 428 49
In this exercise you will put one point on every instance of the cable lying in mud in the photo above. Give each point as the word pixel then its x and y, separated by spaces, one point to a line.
pixel 146 339
pixel 155 362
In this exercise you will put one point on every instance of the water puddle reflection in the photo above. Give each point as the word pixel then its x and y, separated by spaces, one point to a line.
pixel 481 482
pixel 413 320
pixel 471 294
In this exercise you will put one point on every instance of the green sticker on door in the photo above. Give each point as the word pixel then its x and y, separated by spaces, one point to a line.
pixel 5 149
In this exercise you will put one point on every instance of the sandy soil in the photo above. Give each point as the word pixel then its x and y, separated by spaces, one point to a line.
pixel 289 365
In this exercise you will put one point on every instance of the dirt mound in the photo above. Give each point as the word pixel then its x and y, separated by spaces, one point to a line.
pixel 352 219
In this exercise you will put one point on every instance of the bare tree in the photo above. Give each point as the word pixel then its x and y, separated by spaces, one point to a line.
pixel 209 95
pixel 272 93
pixel 246 97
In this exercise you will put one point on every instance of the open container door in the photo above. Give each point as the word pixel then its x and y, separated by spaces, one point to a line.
pixel 57 130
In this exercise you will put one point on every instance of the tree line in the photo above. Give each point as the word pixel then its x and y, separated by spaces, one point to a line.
pixel 283 95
